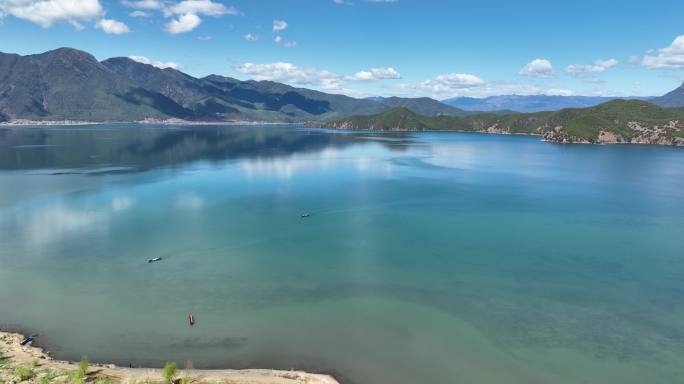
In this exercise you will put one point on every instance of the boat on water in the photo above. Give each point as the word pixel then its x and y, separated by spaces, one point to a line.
pixel 154 260
pixel 305 215
pixel 27 339
pixel 191 319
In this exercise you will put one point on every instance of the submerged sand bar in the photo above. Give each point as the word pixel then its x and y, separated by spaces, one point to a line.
pixel 40 361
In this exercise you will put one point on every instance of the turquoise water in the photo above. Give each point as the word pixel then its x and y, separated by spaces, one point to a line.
pixel 428 258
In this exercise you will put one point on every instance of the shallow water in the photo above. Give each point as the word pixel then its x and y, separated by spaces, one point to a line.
pixel 428 258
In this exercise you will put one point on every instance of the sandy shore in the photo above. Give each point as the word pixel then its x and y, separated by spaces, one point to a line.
pixel 40 361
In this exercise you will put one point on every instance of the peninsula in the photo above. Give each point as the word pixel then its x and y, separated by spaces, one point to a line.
pixel 614 122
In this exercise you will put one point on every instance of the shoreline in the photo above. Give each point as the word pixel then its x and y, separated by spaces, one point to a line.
pixel 322 125
pixel 28 122
pixel 542 137
pixel 39 360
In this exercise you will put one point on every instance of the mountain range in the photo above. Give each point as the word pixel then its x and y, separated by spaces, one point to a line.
pixel 68 84
pixel 526 104
pixel 72 84
pixel 671 99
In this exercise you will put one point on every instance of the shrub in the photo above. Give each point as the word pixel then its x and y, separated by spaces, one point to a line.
pixel 83 365
pixel 22 373
pixel 170 371
pixel 3 359
pixel 79 375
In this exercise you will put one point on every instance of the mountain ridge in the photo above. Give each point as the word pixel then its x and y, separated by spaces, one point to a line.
pixel 69 84
pixel 672 99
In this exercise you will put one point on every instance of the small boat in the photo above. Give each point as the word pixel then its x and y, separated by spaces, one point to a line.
pixel 191 319
pixel 154 260
pixel 27 339
pixel 305 215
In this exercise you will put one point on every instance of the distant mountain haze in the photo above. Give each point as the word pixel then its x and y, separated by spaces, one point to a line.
pixel 533 103
pixel 671 99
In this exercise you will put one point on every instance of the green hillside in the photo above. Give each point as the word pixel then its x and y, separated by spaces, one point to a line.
pixel 614 121
pixel 424 106
pixel 66 84
pixel 71 84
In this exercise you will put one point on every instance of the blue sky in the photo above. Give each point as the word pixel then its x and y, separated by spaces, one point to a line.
pixel 439 49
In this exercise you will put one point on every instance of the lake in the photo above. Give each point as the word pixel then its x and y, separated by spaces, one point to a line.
pixel 427 257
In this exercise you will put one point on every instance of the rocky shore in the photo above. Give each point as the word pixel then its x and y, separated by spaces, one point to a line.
pixel 639 134
pixel 647 135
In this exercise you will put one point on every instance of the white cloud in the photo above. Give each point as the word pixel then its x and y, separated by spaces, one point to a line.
pixel 537 68
pixel 288 73
pixel 460 85
pixel 184 23
pixel 291 74
pixel 310 77
pixel 187 12
pixel 158 64
pixel 112 27
pixel 288 44
pixel 202 7
pixel 440 87
pixel 139 14
pixel 670 57
pixel 597 66
pixel 144 4
pixel 279 25
pixel 451 82
pixel 47 12
pixel 375 74
pixel 559 92
pixel 250 37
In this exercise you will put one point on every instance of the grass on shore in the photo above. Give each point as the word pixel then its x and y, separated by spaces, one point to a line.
pixel 35 373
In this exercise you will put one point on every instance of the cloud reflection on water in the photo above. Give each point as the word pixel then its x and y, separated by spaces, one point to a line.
pixel 137 148
pixel 372 159
pixel 43 225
